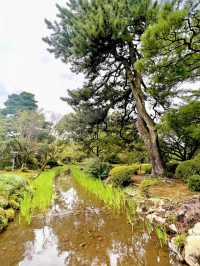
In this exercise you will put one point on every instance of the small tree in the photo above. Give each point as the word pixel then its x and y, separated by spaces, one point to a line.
pixel 180 131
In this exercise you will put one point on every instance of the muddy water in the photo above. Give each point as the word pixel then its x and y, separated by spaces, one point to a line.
pixel 79 231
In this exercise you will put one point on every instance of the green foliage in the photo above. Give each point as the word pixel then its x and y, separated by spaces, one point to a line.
pixel 120 176
pixel 147 183
pixel 112 197
pixel 187 169
pixel 180 131
pixel 40 196
pixel 194 183
pixel 162 235
pixel 24 101
pixel 171 48
pixel 171 168
pixel 179 240
pixel 145 168
pixel 10 184
pixel 97 168
pixel 3 219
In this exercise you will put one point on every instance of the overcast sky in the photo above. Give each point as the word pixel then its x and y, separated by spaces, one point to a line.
pixel 24 62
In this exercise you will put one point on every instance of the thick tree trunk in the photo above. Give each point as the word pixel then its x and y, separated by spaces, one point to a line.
pixel 146 126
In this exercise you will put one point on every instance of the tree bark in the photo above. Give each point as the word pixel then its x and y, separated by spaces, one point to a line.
pixel 146 126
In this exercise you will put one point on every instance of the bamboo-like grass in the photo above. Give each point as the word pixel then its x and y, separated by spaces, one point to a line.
pixel 112 197
pixel 40 196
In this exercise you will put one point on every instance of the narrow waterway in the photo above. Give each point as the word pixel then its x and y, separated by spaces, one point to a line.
pixel 79 231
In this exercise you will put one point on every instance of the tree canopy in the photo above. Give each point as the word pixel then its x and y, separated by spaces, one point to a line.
pixel 24 101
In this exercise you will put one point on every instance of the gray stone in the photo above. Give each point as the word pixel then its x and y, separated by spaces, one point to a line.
pixel 175 249
pixel 192 246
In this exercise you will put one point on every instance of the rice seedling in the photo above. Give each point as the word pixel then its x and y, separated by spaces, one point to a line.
pixel 113 197
pixel 40 196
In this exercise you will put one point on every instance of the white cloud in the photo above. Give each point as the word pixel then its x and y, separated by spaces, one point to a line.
pixel 24 62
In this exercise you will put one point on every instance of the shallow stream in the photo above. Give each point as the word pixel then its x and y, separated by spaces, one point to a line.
pixel 78 230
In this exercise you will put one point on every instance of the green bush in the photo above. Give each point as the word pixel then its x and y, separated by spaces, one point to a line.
pixel 194 182
pixel 145 168
pixel 188 168
pixel 121 175
pixel 148 182
pixel 97 168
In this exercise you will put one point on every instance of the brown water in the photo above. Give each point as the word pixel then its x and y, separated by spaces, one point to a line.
pixel 79 231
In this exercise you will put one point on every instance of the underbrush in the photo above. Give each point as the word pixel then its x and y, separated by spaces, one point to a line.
pixel 12 188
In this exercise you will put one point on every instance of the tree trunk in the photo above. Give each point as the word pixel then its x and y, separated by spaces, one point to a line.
pixel 146 126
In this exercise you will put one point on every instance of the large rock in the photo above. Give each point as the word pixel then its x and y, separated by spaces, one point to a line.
pixel 192 246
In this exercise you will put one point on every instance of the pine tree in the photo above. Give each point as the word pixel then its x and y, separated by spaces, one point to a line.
pixel 102 39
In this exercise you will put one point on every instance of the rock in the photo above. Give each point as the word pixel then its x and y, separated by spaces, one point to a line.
pixel 175 249
pixel 173 228
pixel 192 246
pixel 155 218
pixel 195 230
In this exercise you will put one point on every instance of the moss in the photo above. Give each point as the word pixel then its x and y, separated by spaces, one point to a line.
pixel 10 214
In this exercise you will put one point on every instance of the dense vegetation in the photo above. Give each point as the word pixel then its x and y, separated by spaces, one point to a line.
pixel 135 122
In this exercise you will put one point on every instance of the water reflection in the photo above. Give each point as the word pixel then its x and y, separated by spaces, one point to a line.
pixel 43 250
pixel 81 232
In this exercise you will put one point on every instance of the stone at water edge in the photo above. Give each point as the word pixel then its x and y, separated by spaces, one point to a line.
pixel 175 249
pixel 192 246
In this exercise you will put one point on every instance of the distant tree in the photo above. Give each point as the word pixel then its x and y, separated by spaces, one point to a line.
pixel 15 103
pixel 180 131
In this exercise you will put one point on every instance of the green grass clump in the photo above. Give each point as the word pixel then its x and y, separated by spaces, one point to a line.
pixel 179 240
pixel 162 235
pixel 40 196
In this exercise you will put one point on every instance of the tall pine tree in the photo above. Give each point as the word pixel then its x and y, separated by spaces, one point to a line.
pixel 102 39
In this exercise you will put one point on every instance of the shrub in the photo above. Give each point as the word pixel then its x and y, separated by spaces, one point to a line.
pixel 133 157
pixel 148 182
pixel 97 168
pixel 194 182
pixel 145 168
pixel 187 169
pixel 121 175
pixel 112 158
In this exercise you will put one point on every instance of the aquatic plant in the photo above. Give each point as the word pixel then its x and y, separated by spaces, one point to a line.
pixel 40 196
pixel 113 197
pixel 162 235
pixel 179 240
